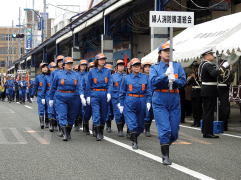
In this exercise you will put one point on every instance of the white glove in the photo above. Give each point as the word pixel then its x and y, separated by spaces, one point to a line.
pixel 88 100
pixel 43 101
pixel 108 97
pixel 168 71
pixel 171 77
pixel 148 106
pixel 83 101
pixel 226 65
pixel 121 108
pixel 51 103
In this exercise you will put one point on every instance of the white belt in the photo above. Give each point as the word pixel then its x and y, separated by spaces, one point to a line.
pixel 196 87
pixel 210 83
pixel 223 85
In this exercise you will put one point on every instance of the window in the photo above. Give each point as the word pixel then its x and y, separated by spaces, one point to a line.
pixel 2 63
pixel 4 50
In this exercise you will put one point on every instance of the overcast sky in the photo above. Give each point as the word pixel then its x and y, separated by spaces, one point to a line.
pixel 9 9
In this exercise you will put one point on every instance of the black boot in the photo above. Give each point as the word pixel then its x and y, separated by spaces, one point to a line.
pixel 108 126
pixel 128 134
pixel 69 128
pixel 51 125
pixel 41 119
pixel 55 124
pixel 86 128
pixel 147 129
pixel 77 124
pixel 102 131
pixel 65 135
pixel 165 154
pixel 134 141
pixel 46 122
pixel 120 129
pixel 98 135
pixel 60 133
pixel 94 130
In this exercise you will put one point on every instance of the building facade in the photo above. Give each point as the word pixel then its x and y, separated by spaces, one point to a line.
pixel 10 48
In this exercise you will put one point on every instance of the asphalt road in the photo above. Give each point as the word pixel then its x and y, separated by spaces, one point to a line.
pixel 27 152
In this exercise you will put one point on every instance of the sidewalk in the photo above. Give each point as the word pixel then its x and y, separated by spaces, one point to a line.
pixel 234 123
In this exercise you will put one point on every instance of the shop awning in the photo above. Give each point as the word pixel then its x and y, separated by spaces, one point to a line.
pixel 222 35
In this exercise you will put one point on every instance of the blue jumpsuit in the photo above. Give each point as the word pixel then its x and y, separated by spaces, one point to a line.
pixel 86 110
pixel 135 92
pixel 115 88
pixel 10 89
pixel 97 87
pixel 30 89
pixel 65 89
pixel 40 86
pixel 52 78
pixel 50 110
pixel 22 89
pixel 165 103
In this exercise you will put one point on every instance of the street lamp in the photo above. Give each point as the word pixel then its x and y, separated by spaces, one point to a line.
pixel 41 21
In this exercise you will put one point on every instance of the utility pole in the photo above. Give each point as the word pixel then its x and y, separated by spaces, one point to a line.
pixel 33 27
pixel 45 21
pixel 19 43
pixel 12 49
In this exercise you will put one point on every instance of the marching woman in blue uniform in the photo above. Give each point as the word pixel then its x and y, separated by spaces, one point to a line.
pixel 50 110
pixel 66 87
pixel 149 114
pixel 40 86
pixel 98 94
pixel 9 85
pixel 23 84
pixel 86 108
pixel 59 62
pixel 82 70
pixel 110 115
pixel 135 97
pixel 115 88
pixel 166 100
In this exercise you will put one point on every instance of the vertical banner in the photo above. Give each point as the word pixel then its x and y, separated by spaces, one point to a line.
pixel 29 38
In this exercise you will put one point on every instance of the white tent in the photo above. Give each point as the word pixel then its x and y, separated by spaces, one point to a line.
pixel 222 35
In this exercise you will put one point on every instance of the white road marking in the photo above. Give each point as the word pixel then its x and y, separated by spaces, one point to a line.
pixel 18 136
pixel 159 159
pixel 224 134
pixel 3 139
pixel 28 107
pixel 35 134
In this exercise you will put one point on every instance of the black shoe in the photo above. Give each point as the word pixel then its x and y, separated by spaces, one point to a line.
pixel 102 132
pixel 51 125
pixel 65 135
pixel 165 154
pixel 210 136
pixel 147 129
pixel 41 119
pixel 60 131
pixel 97 131
pixel 69 128
pixel 108 126
pixel 120 130
pixel 94 130
pixel 128 134
pixel 86 128
pixel 134 141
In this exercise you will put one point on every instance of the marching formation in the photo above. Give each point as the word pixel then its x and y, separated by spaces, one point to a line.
pixel 69 95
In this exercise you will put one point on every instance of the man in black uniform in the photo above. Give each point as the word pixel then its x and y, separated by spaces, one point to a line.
pixel 195 95
pixel 224 82
pixel 209 73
